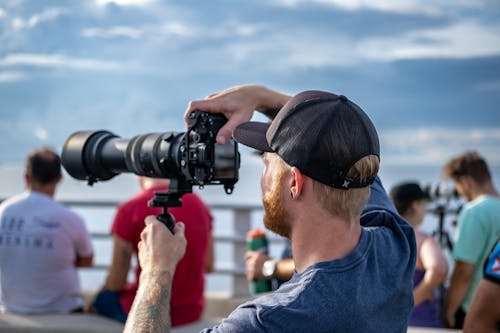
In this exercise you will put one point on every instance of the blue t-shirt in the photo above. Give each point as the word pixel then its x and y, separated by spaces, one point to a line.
pixel 369 290
pixel 492 265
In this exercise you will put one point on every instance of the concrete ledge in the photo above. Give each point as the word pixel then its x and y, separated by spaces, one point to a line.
pixel 196 327
pixel 431 330
pixel 218 306
pixel 57 323
pixel 77 323
pixel 90 323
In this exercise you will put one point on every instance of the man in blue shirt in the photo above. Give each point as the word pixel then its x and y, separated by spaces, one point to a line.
pixel 354 256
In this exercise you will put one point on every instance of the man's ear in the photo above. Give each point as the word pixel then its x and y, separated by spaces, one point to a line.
pixel 296 184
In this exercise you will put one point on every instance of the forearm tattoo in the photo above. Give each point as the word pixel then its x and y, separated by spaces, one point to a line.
pixel 271 112
pixel 151 309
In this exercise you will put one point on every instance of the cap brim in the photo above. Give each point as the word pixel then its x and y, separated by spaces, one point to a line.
pixel 253 134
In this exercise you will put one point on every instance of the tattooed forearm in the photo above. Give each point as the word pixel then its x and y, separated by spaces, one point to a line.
pixel 151 309
pixel 271 112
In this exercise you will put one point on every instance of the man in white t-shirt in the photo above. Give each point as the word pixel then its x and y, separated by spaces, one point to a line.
pixel 41 244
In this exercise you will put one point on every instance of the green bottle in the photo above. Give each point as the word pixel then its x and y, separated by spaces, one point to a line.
pixel 257 241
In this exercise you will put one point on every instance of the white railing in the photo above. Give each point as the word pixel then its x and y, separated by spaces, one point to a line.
pixel 241 223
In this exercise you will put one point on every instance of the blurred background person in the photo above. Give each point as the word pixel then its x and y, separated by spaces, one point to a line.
pixel 478 229
pixel 187 302
pixel 41 244
pixel 484 312
pixel 260 266
pixel 431 266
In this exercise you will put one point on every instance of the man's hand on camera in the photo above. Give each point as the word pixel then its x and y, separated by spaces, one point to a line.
pixel 159 249
pixel 254 262
pixel 237 104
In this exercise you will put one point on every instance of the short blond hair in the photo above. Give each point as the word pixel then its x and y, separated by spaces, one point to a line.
pixel 349 203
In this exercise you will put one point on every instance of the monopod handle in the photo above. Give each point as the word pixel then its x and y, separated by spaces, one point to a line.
pixel 168 220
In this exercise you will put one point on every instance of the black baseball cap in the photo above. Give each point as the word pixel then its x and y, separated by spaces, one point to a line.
pixel 408 192
pixel 320 133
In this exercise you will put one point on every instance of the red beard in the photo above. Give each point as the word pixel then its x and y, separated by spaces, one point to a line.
pixel 276 218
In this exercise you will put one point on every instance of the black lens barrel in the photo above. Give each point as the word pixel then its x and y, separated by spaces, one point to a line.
pixel 101 155
pixel 82 155
pixel 154 154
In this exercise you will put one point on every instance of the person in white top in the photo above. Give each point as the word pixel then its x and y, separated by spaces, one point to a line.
pixel 41 244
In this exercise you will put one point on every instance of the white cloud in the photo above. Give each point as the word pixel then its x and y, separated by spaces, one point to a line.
pixel 48 14
pixel 436 145
pixel 405 138
pixel 429 7
pixel 41 134
pixel 57 60
pixel 117 31
pixel 244 43
pixel 173 28
pixel 170 28
pixel 276 52
pixel 11 76
pixel 124 2
pixel 3 13
pixel 459 40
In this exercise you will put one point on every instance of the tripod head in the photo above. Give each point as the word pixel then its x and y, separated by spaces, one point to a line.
pixel 171 198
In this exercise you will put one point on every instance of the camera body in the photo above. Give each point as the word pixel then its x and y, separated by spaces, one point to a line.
pixel 205 162
pixel 190 158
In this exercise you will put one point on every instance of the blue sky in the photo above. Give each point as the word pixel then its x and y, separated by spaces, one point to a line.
pixel 427 72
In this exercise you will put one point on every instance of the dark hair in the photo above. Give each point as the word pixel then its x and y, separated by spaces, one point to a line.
pixel 405 193
pixel 468 164
pixel 43 165
pixel 402 205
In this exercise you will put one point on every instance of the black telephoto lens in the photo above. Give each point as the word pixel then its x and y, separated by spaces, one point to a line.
pixel 101 155
pixel 191 157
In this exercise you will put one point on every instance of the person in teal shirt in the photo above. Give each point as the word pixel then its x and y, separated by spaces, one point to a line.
pixel 478 229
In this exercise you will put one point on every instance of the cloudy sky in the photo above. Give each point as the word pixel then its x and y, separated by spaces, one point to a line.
pixel 427 72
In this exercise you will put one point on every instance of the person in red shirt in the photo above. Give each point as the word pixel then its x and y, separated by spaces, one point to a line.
pixel 187 303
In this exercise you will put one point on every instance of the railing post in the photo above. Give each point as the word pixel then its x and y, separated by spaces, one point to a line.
pixel 241 225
